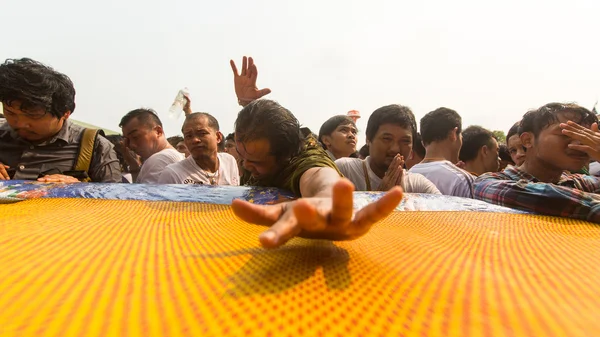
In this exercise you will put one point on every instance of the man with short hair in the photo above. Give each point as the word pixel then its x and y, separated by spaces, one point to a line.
pixel 204 166
pixel 390 132
pixel 557 138
pixel 442 138
pixel 179 145
pixel 143 133
pixel 37 139
pixel 276 153
pixel 479 151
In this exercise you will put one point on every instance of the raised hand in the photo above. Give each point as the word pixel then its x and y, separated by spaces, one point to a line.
pixel 245 82
pixel 394 174
pixel 330 218
pixel 589 138
pixel 187 108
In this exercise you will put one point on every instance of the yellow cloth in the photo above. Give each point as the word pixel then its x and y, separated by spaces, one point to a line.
pixel 82 267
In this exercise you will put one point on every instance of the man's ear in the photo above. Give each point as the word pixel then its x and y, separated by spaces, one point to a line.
pixel 453 134
pixel 368 142
pixel 159 130
pixel 484 150
pixel 527 139
pixel 66 115
pixel 219 137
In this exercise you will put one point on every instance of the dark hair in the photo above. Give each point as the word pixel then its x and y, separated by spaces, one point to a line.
pixel 437 123
pixel 504 154
pixel 331 124
pixel 514 130
pixel 212 121
pixel 267 119
pixel 474 138
pixel 145 116
pixel 418 147
pixel 115 140
pixel 391 114
pixel 36 86
pixel 230 136
pixel 175 140
pixel 537 120
pixel 364 151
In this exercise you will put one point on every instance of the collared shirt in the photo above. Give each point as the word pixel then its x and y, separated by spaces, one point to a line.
pixel 573 196
pixel 57 155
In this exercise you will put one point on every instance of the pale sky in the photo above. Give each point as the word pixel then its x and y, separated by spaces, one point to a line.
pixel 491 62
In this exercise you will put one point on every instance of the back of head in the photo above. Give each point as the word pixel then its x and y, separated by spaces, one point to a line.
pixel 504 154
pixel 333 123
pixel 537 120
pixel 474 138
pixel 418 147
pixel 436 125
pixel 144 116
pixel 212 121
pixel 174 140
pixel 391 114
pixel 267 119
pixel 36 85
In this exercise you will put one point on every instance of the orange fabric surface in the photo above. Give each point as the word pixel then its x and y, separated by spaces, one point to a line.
pixel 83 267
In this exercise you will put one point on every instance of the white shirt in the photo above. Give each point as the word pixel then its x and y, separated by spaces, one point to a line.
pixel 447 177
pixel 353 169
pixel 156 164
pixel 188 172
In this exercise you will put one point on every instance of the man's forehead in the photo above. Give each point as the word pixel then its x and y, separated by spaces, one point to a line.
pixel 255 149
pixel 394 129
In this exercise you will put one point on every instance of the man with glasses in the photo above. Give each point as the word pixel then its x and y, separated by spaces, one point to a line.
pixel 37 140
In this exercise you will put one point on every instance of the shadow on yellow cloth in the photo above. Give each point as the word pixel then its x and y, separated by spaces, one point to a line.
pixel 84 267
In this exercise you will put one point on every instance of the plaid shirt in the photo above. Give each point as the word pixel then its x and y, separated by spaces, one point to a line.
pixel 574 196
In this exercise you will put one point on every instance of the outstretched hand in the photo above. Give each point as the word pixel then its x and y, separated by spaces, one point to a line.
pixel 245 82
pixel 330 218
pixel 589 138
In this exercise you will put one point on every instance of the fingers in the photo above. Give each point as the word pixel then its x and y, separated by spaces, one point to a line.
pixel 399 172
pixel 580 136
pixel 281 232
pixel 58 178
pixel 244 66
pixel 252 71
pixel 595 127
pixel 378 210
pixel 3 173
pixel 263 92
pixel 592 152
pixel 342 206
pixel 308 217
pixel 257 214
pixel 234 68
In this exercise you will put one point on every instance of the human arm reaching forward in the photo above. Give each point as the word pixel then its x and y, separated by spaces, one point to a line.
pixel 325 211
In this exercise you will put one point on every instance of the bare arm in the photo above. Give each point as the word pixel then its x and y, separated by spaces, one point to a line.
pixel 318 182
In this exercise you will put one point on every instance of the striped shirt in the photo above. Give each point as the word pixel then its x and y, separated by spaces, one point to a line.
pixel 573 196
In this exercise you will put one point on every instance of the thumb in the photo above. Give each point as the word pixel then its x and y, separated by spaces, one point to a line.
pixel 263 92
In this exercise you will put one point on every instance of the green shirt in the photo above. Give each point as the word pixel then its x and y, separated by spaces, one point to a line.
pixel 311 155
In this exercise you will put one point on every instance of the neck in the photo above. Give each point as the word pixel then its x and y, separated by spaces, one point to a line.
pixel 379 171
pixel 542 171
pixel 337 154
pixel 474 166
pixel 438 151
pixel 208 163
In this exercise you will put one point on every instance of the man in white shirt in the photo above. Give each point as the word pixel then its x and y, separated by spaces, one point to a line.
pixel 144 134
pixel 480 151
pixel 205 165
pixel 442 138
pixel 390 132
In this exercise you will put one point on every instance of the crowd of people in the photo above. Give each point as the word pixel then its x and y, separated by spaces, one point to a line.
pixel 548 164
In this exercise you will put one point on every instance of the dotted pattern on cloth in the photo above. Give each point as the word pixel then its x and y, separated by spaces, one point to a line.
pixel 82 267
